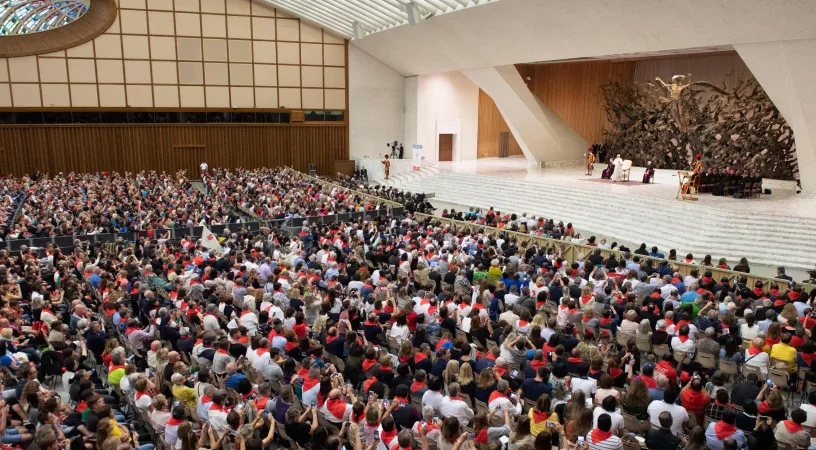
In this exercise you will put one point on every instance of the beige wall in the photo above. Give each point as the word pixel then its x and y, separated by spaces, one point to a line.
pixel 188 54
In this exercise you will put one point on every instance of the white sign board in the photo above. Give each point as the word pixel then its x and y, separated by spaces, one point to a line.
pixel 417 157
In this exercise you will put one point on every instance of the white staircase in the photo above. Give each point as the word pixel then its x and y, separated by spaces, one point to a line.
pixel 689 228
pixel 404 178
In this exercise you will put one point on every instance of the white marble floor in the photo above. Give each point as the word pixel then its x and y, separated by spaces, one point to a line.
pixel 782 201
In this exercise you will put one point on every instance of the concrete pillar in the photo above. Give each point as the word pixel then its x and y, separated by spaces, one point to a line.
pixel 545 139
pixel 786 70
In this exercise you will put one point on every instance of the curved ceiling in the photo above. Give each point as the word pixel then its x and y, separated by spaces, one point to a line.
pixel 73 29
pixel 33 16
pixel 355 19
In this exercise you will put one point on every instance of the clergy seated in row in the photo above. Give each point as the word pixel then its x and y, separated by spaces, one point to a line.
pixel 728 181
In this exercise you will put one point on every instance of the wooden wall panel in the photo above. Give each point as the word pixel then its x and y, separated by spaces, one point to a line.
pixel 573 91
pixel 717 68
pixel 91 148
pixel 491 123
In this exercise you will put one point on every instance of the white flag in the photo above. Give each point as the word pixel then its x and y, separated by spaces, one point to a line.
pixel 209 241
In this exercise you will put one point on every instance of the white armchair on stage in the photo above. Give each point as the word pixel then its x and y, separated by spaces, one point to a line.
pixel 625 169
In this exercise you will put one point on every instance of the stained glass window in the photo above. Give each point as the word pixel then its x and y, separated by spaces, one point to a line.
pixel 33 16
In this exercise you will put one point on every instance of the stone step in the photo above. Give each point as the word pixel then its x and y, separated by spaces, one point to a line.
pixel 661 207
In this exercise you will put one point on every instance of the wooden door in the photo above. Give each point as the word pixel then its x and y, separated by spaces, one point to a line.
pixel 446 147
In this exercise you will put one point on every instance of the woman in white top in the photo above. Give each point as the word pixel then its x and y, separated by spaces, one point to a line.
pixel 160 414
pixel 754 356
pixel 399 330
pixel 600 279
pixel 749 330
pixel 606 388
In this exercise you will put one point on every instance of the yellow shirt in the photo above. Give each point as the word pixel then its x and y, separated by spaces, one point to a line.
pixel 539 427
pixel 116 431
pixel 185 395
pixel 786 353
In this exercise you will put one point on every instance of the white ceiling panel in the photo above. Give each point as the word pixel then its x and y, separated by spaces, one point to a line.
pixel 356 19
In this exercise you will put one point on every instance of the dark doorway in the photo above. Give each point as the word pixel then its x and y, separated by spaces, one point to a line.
pixel 446 147
pixel 504 144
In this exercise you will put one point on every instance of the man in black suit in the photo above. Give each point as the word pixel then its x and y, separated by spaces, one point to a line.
pixel 662 439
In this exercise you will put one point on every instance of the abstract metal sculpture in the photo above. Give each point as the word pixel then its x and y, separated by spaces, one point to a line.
pixel 735 124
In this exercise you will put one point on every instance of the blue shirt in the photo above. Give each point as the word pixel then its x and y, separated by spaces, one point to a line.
pixel 233 380
pixel 94 280
pixel 715 443
pixel 689 297
pixel 6 361
pixel 484 363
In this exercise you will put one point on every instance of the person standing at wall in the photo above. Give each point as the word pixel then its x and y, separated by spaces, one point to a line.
pixel 386 166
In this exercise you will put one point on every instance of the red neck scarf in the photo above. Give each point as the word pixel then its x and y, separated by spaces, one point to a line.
pixel 574 359
pixel 419 357
pixel 330 339
pixel 681 323
pixel 131 330
pixel 792 426
pixel 769 341
pixel 173 421
pixel 261 351
pixel 260 403
pixel 650 382
pixel 481 437
pixel 615 372
pixel 494 395
pixel 539 417
pixel 754 350
pixel 291 346
pixel 599 436
pixel 808 357
pixel 388 436
pixel 683 339
pixel 536 363
pixel 222 351
pixel 140 394
pixel 500 370
pixel 417 385
pixel 368 364
pixel 337 407
pixel 723 430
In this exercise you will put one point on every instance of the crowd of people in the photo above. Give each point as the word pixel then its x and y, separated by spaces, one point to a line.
pixel 280 193
pixel 68 204
pixel 11 194
pixel 387 334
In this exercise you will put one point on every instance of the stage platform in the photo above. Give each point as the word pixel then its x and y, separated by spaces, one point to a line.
pixel 770 230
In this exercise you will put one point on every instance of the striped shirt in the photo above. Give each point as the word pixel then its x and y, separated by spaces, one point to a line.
pixel 613 443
